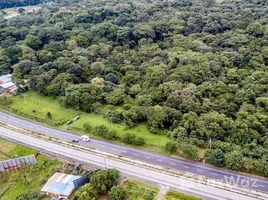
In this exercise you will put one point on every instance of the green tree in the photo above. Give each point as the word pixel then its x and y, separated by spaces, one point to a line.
pixel 190 151
pixel 234 160
pixel 117 193
pixel 116 97
pixel 102 181
pixel 87 192
pixel 33 42
pixel 171 146
pixel 217 158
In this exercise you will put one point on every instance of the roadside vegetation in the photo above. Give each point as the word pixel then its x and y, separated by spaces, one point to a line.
pixel 187 71
pixel 172 195
pixel 137 190
pixel 27 180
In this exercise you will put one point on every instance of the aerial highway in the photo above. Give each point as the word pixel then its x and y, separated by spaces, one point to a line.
pixel 159 178
pixel 179 164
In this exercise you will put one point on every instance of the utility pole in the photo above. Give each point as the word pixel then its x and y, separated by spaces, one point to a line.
pixel 111 120
pixel 25 100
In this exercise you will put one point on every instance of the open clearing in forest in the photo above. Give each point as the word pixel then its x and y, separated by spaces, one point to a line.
pixel 36 106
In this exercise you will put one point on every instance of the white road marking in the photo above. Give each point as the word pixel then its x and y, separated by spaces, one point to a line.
pixel 113 149
pixel 261 186
pixel 200 170
pixel 147 157
pixel 135 154
pixel 186 167
pixel 214 174
pixel 159 160
pixel 173 163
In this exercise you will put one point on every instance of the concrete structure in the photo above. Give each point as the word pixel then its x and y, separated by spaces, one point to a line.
pixel 60 185
pixel 6 84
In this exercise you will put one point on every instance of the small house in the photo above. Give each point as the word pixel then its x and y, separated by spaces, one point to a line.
pixel 60 186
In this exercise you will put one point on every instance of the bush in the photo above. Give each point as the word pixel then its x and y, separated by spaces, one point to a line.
pixel 117 193
pixel 87 127
pixel 31 195
pixel 5 100
pixel 102 181
pixel 104 132
pixel 217 158
pixel 148 195
pixel 234 160
pixel 101 130
pixel 114 116
pixel 131 138
pixel 190 151
pixel 127 106
pixel 171 146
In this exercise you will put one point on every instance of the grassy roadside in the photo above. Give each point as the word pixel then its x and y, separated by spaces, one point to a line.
pixel 28 178
pixel 36 107
pixel 136 190
pixel 174 195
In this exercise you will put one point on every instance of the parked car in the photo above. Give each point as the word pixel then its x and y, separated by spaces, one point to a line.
pixel 69 122
pixel 75 141
pixel 76 118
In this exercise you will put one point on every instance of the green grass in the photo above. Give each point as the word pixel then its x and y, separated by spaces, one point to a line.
pixel 42 105
pixel 38 106
pixel 5 149
pixel 28 178
pixel 174 195
pixel 137 190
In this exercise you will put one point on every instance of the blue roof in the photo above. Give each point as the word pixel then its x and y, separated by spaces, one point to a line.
pixel 61 187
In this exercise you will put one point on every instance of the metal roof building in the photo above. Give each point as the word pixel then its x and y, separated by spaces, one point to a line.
pixel 16 162
pixel 60 185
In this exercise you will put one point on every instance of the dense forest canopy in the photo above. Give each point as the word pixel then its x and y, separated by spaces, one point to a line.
pixel 188 68
pixel 17 3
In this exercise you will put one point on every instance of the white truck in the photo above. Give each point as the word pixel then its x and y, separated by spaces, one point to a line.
pixel 84 138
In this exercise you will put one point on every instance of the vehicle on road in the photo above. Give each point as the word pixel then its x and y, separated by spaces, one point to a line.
pixel 75 141
pixel 69 122
pixel 76 118
pixel 85 138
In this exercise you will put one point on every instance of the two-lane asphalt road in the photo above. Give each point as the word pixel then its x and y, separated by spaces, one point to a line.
pixel 156 177
pixel 193 167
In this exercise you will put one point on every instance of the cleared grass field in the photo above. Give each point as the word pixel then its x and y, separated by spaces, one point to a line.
pixel 38 106
pixel 12 12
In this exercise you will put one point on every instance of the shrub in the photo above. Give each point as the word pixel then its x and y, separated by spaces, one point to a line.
pixel 234 160
pixel 87 127
pixel 104 132
pixel 148 195
pixel 104 180
pixel 101 130
pixel 117 193
pixel 131 138
pixel 217 158
pixel 190 151
pixel 127 106
pixel 171 146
